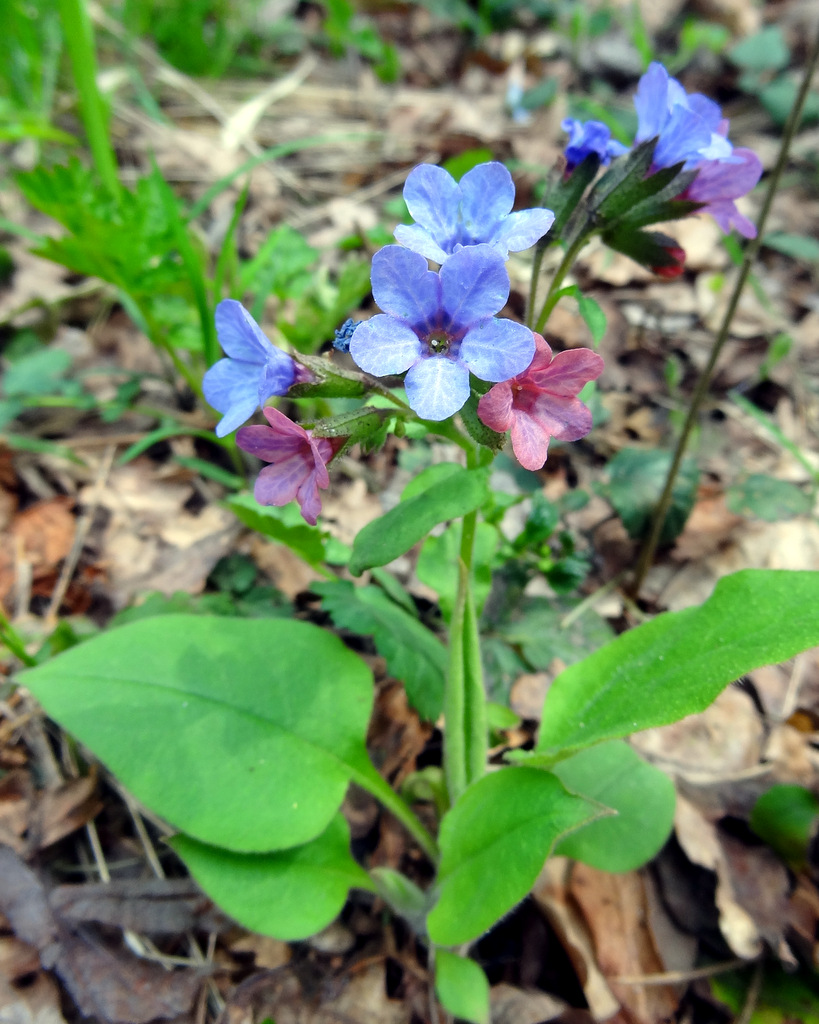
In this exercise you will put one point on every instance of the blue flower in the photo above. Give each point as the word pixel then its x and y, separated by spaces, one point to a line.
pixel 690 127
pixel 439 328
pixel 451 215
pixel 254 371
pixel 587 137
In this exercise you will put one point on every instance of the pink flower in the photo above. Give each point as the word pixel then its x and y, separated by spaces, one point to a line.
pixel 298 462
pixel 542 402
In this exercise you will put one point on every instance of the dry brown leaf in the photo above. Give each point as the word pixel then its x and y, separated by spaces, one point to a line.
pixel 551 894
pixel 40 535
pixel 16 798
pixel 38 1002
pixel 61 811
pixel 616 911
pixel 511 1005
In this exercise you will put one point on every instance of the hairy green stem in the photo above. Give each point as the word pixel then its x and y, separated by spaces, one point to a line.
pixel 564 267
pixel 658 517
pixel 537 263
pixel 79 39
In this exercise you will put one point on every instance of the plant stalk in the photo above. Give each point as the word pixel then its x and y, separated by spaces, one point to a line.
pixel 553 295
pixel 649 547
pixel 79 38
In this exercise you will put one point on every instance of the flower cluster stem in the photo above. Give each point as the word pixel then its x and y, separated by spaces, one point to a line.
pixel 465 742
pixel 553 295
pixel 649 547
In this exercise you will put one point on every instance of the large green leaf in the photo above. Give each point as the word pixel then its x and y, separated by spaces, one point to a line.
pixel 242 733
pixel 615 775
pixel 413 653
pixel 289 894
pixel 493 844
pixel 679 662
pixel 396 531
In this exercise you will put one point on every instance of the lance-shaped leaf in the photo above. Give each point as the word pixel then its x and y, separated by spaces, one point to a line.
pixel 677 664
pixel 462 987
pixel 493 844
pixel 242 733
pixel 396 531
pixel 289 894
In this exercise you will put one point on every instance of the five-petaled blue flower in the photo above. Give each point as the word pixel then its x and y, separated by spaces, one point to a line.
pixel 586 137
pixel 254 371
pixel 450 215
pixel 440 327
pixel 690 127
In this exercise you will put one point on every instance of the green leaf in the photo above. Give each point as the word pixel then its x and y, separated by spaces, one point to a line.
pixel 462 987
pixel 614 775
pixel 286 525
pixel 768 498
pixel 398 530
pixel 290 894
pixel 636 480
pixel 403 895
pixel 493 844
pixel 458 165
pixel 679 662
pixel 786 817
pixel 537 630
pixel 763 51
pixel 40 373
pixel 590 311
pixel 242 733
pixel 799 247
pixel 413 654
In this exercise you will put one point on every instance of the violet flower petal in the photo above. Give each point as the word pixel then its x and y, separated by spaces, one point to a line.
pixel 383 345
pixel 417 239
pixel 497 349
pixel 432 196
pixel 239 334
pixel 404 287
pixel 522 229
pixel 474 285
pixel 487 194
pixel 437 387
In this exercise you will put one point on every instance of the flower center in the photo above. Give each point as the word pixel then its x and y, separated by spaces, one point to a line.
pixel 438 343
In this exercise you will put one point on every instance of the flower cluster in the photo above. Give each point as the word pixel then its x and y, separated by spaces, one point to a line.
pixel 587 138
pixel 690 130
pixel 253 371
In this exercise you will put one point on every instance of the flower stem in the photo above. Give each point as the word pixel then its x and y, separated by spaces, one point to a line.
pixel 537 263
pixel 564 267
pixel 383 792
pixel 465 743
pixel 658 517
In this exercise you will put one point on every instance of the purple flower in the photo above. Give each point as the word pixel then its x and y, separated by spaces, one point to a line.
pixel 441 327
pixel 720 182
pixel 691 129
pixel 688 126
pixel 587 137
pixel 254 371
pixel 451 215
pixel 298 463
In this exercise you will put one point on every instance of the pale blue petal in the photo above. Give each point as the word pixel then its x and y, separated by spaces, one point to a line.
pixel 228 380
pixel 521 230
pixel 404 287
pixel 437 387
pixel 497 350
pixel 487 194
pixel 651 102
pixel 432 195
pixel 418 239
pixel 474 285
pixel 239 334
pixel 383 345
pixel 277 375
